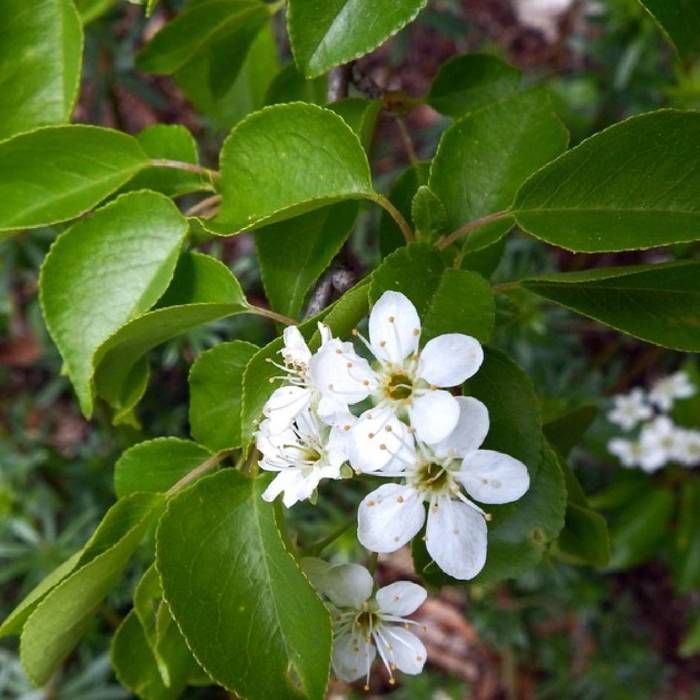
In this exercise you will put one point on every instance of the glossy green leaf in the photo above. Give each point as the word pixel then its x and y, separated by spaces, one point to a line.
pixel 63 616
pixel 293 254
pixel 156 465
pixel 656 303
pixel 429 214
pixel 90 10
pixel 289 85
pixel 41 46
pixel 169 142
pixel 470 81
pixel 566 430
pixel 220 30
pixel 462 303
pixel 287 160
pixel 641 528
pixel 483 159
pixel 202 290
pixel 679 20
pixel 234 589
pixel 360 115
pixel 57 173
pixel 485 261
pixel 632 186
pixel 216 388
pixel 685 557
pixel 103 271
pixel 326 33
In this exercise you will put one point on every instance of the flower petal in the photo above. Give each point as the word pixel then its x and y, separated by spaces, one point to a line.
pixel 401 598
pixel 450 359
pixel 470 431
pixel 394 327
pixel 389 517
pixel 295 350
pixel 456 538
pixel 284 405
pixel 406 650
pixel 338 372
pixel 289 482
pixel 348 585
pixel 493 477
pixel 379 441
pixel 434 415
pixel 352 657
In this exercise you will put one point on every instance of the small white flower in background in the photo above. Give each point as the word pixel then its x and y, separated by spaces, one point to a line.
pixel 688 447
pixel 660 442
pixel 366 625
pixel 629 452
pixel 393 514
pixel 665 391
pixel 303 454
pixel 630 409
pixel 542 15
pixel 408 382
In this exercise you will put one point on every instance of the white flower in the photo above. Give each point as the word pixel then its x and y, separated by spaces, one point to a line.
pixel 393 514
pixel 630 409
pixel 303 454
pixel 660 443
pixel 676 386
pixel 407 381
pixel 365 625
pixel 299 393
pixel 629 452
pixel 688 452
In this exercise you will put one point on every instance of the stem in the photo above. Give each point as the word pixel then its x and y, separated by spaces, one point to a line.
pixel 372 564
pixel 315 549
pixel 338 82
pixel 197 472
pixel 269 313
pixel 466 229
pixel 505 286
pixel 406 139
pixel 202 206
pixel 181 165
pixel 396 215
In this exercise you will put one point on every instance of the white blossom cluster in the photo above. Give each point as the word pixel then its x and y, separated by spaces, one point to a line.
pixel 655 440
pixel 392 416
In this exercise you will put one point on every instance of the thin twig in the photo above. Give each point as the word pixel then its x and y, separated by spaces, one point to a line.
pixel 269 313
pixel 203 205
pixel 181 165
pixel 466 229
pixel 197 472
pixel 406 140
pixel 396 215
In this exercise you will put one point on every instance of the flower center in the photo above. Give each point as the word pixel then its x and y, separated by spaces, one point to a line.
pixel 432 477
pixel 398 386
pixel 366 621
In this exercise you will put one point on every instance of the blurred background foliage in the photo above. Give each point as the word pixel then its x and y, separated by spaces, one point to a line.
pixel 559 632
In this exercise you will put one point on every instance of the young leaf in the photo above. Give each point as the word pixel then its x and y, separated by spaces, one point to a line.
pixel 63 616
pixel 483 158
pixel 466 83
pixel 679 20
pixel 629 187
pixel 293 254
pixel 216 388
pixel 56 173
pixel 154 466
pixel 287 160
pixel 327 34
pixel 103 271
pixel 220 30
pixel 656 303
pixel 203 290
pixel 169 142
pixel 41 47
pixel 246 610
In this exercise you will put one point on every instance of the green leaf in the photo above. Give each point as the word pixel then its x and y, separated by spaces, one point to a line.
pixel 91 10
pixel 289 85
pixel 63 616
pixel 360 115
pixel 59 172
pixel 462 303
pixel 685 558
pixel 169 142
pixel 326 34
pixel 220 30
pixel 584 539
pixel 483 159
pixel 429 214
pixel 485 260
pixel 41 46
pixel 293 254
pixel 629 187
pixel 656 303
pixel 233 587
pixel 679 20
pixel 154 466
pixel 468 82
pixel 203 290
pixel 216 388
pixel 566 430
pixel 414 270
pixel 103 271
pixel 690 646
pixel 642 526
pixel 344 314
pixel 287 160
pixel 245 95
